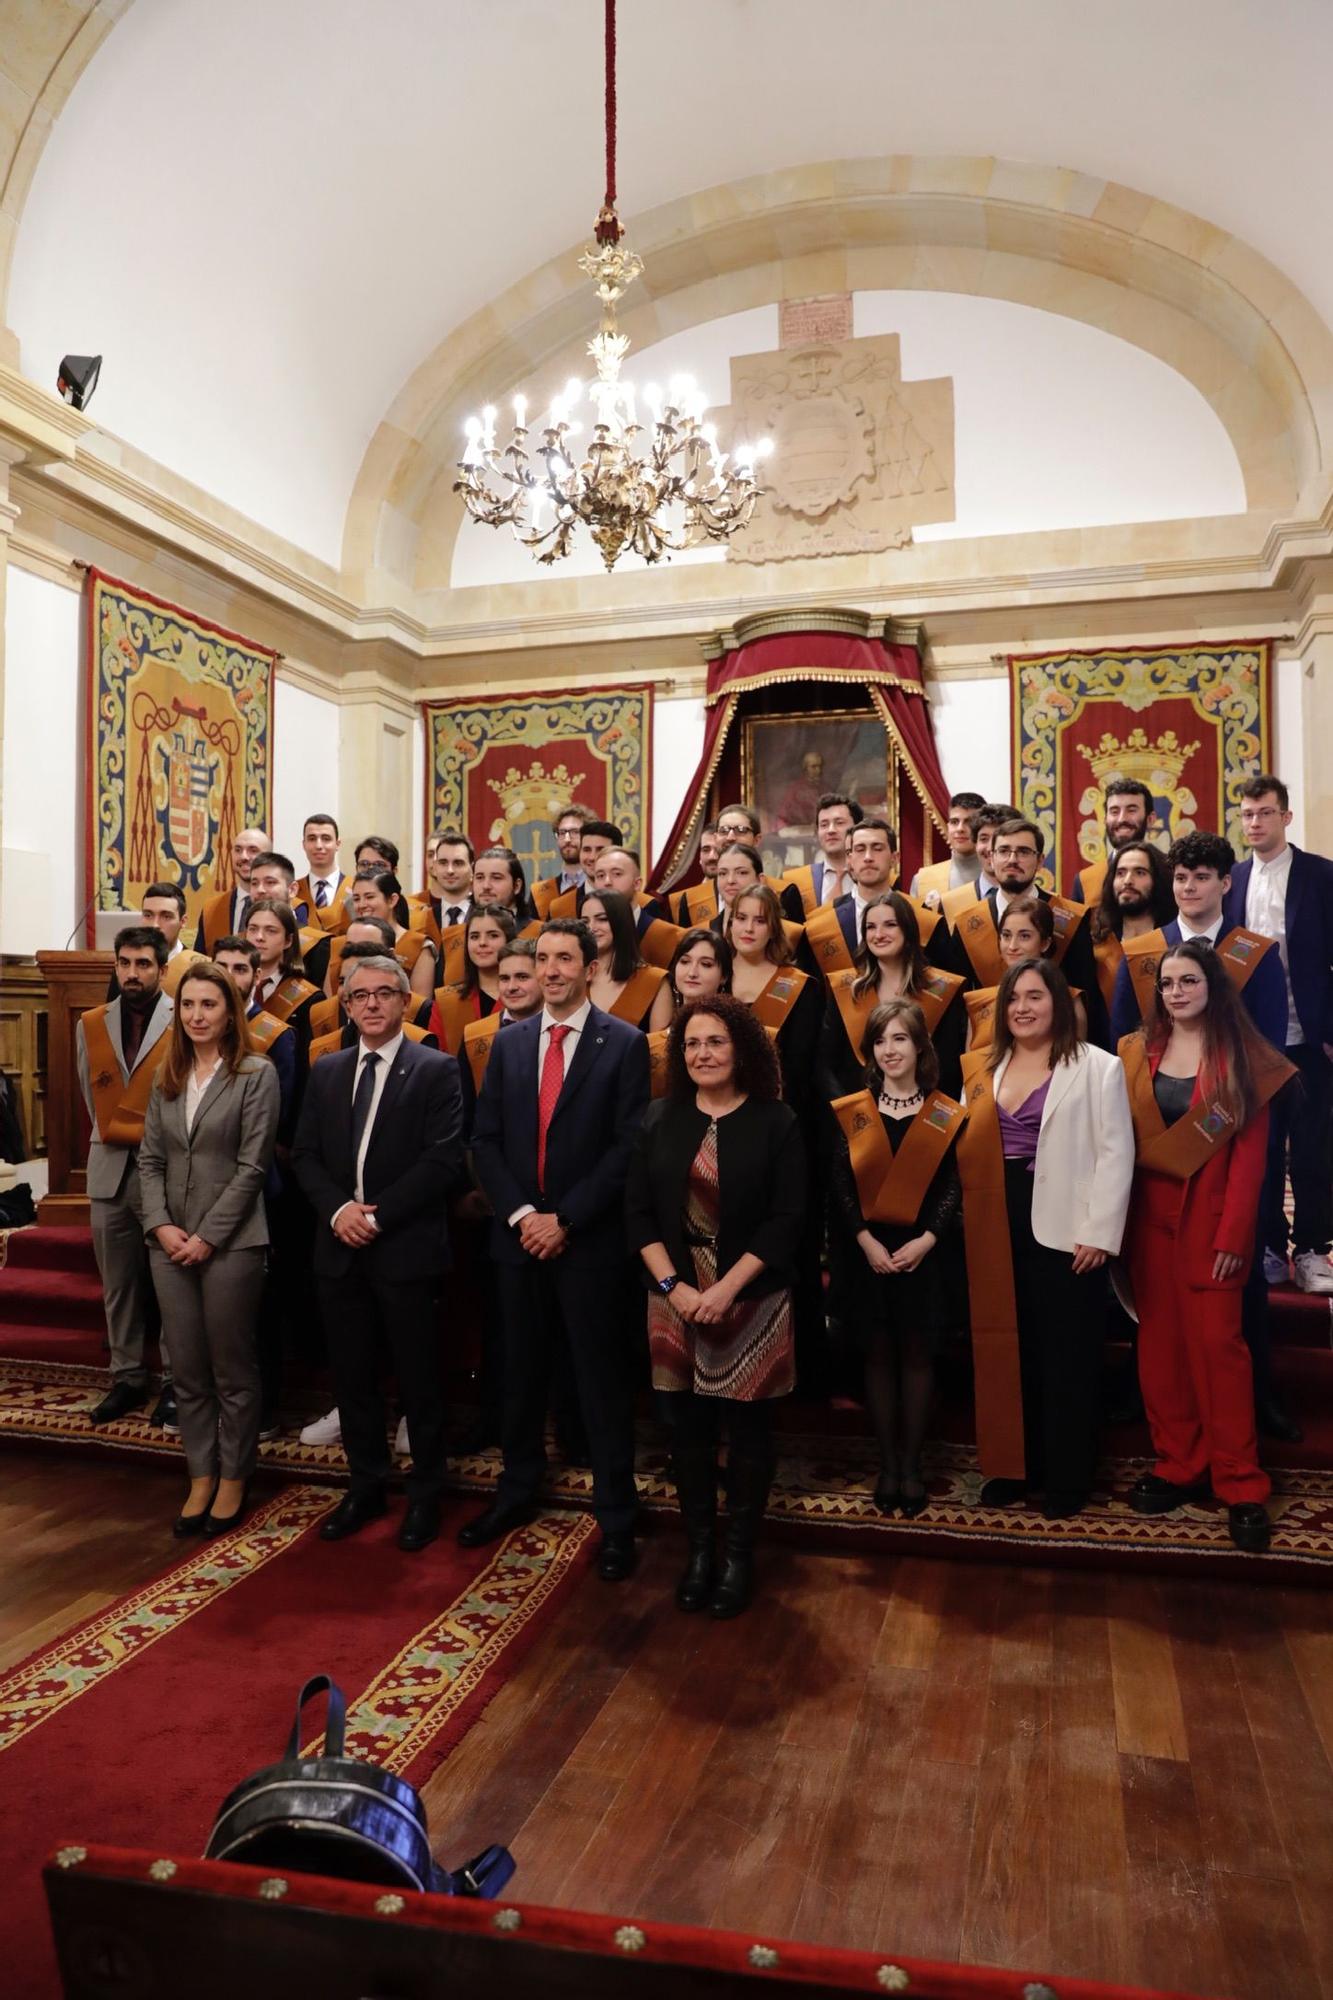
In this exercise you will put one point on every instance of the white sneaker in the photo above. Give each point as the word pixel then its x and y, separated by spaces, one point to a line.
pixel 324 1430
pixel 1314 1273
pixel 400 1443
pixel 1276 1271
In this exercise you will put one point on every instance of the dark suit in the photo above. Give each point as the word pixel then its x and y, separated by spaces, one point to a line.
pixel 413 1162
pixel 1265 994
pixel 592 1132
pixel 1300 1118
pixel 1078 966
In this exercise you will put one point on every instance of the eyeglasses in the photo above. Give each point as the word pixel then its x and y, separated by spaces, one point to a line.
pixel 710 1042
pixel 383 994
pixel 1006 853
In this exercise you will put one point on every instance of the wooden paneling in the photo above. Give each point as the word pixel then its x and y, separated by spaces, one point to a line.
pixel 23 1056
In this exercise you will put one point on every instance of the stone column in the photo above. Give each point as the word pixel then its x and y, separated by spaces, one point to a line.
pixel 1317 724
pixel 378 717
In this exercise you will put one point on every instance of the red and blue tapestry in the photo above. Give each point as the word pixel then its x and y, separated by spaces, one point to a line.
pixel 503 770
pixel 180 747
pixel 1192 722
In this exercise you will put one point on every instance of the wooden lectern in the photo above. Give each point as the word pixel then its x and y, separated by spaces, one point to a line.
pixel 75 981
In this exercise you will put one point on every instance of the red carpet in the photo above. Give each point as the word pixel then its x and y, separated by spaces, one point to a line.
pixel 132 1728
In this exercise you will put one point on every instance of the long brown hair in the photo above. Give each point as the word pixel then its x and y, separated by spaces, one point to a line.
pixel 927 1058
pixel 1065 1043
pixel 778 950
pixel 499 916
pixel 1226 1072
pixel 292 961
pixel 1039 915
pixel 233 1044
pixel 867 968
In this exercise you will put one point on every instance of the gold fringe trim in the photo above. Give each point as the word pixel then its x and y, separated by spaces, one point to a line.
pixel 906 760
pixel 677 863
pixel 843 676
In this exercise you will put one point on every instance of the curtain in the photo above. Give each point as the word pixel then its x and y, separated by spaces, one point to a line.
pixel 890 675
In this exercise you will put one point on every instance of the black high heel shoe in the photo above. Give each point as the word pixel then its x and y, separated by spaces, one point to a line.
pixel 912 1504
pixel 192 1524
pixel 215 1524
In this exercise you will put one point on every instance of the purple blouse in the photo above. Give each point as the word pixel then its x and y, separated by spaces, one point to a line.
pixel 1021 1129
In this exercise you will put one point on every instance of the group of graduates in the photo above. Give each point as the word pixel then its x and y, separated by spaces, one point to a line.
pixel 773 1105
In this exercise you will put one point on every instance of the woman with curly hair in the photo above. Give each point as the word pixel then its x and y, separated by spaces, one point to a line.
pixel 714 1206
pixel 1200 1076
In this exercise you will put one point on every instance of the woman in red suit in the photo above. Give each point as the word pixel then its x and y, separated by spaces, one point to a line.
pixel 1199 1080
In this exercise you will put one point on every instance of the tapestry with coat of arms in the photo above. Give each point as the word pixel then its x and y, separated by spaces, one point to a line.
pixel 180 747
pixel 502 770
pixel 1192 722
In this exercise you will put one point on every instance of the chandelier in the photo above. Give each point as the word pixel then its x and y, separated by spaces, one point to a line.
pixel 648 486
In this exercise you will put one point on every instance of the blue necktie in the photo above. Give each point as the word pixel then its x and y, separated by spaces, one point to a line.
pixel 321 895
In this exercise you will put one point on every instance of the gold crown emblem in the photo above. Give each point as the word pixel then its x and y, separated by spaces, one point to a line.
pixel 1157 765
pixel 538 794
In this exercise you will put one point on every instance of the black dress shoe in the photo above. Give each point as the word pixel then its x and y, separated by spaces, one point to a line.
pixel 119 1400
pixel 617 1558
pixel 887 1499
pixel 164 1417
pixel 1154 1495
pixel 1061 1506
pixel 1272 1421
pixel 1003 1492
pixel 1250 1527
pixel 421 1524
pixel 190 1524
pixel 913 1504
pixel 352 1513
pixel 490 1526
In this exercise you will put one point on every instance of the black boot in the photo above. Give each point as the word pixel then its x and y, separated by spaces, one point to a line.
pixel 748 1484
pixel 694 1468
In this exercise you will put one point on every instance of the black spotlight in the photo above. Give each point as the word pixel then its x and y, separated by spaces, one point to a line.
pixel 78 378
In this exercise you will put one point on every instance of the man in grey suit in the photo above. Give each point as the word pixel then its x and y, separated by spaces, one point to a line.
pixel 118 1048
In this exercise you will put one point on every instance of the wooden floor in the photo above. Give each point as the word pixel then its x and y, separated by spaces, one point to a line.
pixel 1082 1773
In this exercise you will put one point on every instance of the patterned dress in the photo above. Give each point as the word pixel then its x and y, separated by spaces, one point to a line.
pixel 748 1355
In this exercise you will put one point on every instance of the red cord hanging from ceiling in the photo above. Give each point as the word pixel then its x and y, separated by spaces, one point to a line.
pixel 608 223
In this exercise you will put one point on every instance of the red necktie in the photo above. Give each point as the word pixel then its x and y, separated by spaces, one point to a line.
pixel 553 1078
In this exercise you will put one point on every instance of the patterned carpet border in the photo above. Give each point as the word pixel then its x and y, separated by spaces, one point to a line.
pixel 45 1684
pixel 403 1717
pixel 821 1498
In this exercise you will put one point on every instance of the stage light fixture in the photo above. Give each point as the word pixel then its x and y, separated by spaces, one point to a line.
pixel 78 378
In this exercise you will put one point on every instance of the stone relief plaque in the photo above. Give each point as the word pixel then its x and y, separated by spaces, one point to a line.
pixel 859 458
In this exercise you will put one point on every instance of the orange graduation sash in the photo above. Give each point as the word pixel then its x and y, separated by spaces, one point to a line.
pixel 564 906
pixel 456 1009
pixel 977 929
pixel 657 1062
pixel 1092 880
pixel 702 903
pixel 421 922
pixel 990 1278
pixel 288 995
pixel 934 998
pixel 1180 1150
pixel 1067 917
pixel 827 941
pixel 775 1003
pixel 955 901
pixel 263 1030
pixel 407 951
pixel 1239 950
pixel 659 941
pixel 544 894
pixel 1107 953
pixel 328 1045
pixel 478 1040
pixel 118 1106
pixel 892 1186
pixel 802 880
pixel 326 1015
pixel 336 914
pixel 637 995
pixel 934 880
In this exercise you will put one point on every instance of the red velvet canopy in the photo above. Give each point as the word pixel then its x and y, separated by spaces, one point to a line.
pixel 888 673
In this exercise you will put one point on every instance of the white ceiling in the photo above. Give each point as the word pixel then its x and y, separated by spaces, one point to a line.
pixel 265 213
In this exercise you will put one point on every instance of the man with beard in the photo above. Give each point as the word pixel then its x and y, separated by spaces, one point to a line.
pixel 567 827
pixel 118 1049
pixel 224 915
pixel 699 905
pixel 1135 899
pixel 1128 813
pixel 974 948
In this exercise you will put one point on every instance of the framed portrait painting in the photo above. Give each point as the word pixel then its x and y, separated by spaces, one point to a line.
pixel 787 761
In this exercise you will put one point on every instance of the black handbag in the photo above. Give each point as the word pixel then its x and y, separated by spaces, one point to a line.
pixel 332 1816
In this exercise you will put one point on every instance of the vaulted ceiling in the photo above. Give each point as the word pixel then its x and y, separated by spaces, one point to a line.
pixel 267 213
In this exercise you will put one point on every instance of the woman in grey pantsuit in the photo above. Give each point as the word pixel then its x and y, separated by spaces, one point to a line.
pixel 208 1140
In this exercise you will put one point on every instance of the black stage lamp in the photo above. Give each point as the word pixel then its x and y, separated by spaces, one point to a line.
pixel 78 378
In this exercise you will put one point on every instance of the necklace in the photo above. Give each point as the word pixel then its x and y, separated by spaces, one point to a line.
pixel 892 1103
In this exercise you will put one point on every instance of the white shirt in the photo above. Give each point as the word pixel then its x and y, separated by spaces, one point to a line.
pixel 331 886
pixel 576 1023
pixel 388 1056
pixel 463 905
pixel 194 1091
pixel 1266 912
pixel 836 881
pixel 1209 936
pixel 266 985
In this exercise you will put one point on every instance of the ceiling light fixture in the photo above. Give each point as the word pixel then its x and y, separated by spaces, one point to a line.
pixel 677 489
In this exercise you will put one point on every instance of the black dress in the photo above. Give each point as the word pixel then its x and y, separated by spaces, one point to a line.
pixel 921 1298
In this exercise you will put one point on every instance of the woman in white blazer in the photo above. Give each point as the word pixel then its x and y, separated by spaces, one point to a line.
pixel 1050 1142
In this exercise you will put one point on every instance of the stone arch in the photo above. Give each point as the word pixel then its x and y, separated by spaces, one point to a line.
pixel 1169 282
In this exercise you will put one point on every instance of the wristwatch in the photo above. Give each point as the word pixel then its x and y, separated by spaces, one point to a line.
pixel 667 1285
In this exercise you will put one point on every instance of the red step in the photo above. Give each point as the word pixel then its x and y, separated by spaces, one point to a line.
pixel 51 1299
pixel 62 1248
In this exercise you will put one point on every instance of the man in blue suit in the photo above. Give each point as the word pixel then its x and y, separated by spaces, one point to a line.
pixel 1201 866
pixel 563 1097
pixel 1287 894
